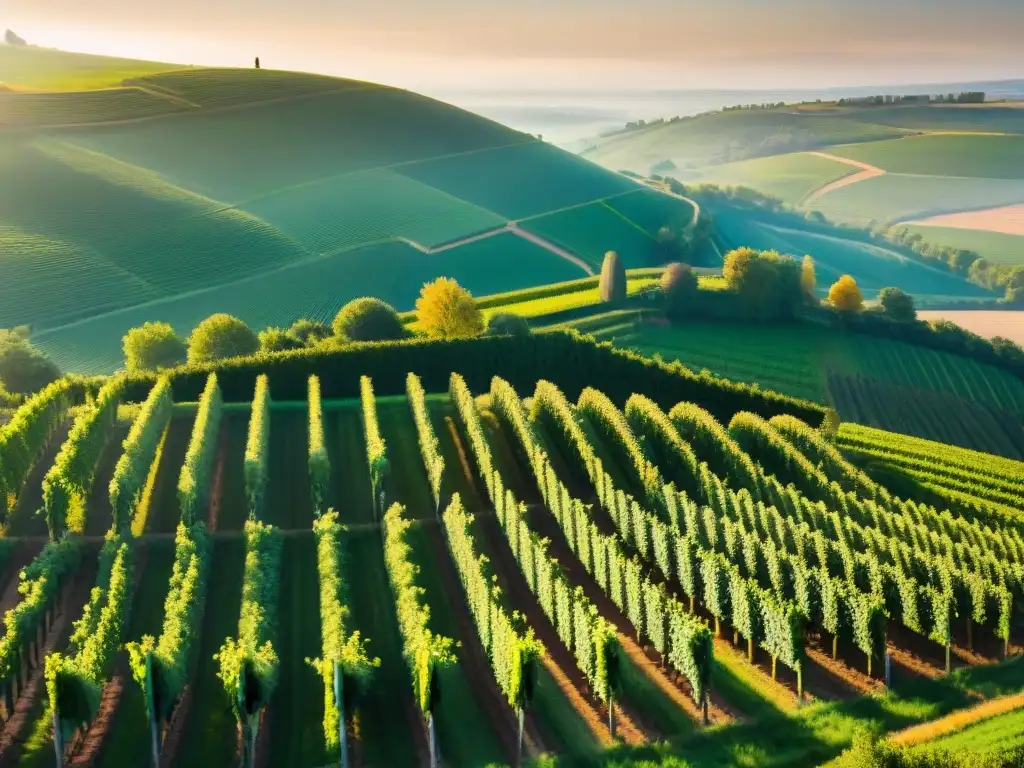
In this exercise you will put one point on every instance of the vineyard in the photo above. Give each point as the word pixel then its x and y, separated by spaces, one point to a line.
pixel 272 573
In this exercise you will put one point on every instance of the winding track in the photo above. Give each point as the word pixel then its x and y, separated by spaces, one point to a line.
pixel 866 172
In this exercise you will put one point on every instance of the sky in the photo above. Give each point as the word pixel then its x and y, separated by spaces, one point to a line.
pixel 555 44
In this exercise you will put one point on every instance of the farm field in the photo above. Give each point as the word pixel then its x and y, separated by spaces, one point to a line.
pixel 888 384
pixel 994 247
pixel 475 443
pixel 594 229
pixel 988 323
pixel 971 156
pixel 32 68
pixel 789 177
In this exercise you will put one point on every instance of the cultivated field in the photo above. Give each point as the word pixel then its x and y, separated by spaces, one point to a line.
pixel 1006 323
pixel 789 177
pixel 977 156
pixel 994 247
pixel 618 601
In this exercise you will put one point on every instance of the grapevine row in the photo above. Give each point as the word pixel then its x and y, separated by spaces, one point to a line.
pixel 319 462
pixel 74 682
pixel 69 480
pixel 249 664
pixel 376 448
pixel 513 654
pixel 583 632
pixel 339 647
pixel 257 448
pixel 140 449
pixel 429 445
pixel 24 437
pixel 827 457
pixel 161 665
pixel 194 481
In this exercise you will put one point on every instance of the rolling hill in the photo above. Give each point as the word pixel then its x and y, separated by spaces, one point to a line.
pixel 277 195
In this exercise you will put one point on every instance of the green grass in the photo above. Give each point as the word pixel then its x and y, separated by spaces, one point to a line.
pixel 50 70
pixel 994 247
pixel 592 230
pixel 651 210
pixel 210 735
pixel 296 711
pixel 990 157
pixel 212 88
pixel 874 267
pixel 535 178
pixel 990 117
pixel 385 733
pixel 895 197
pixel 789 177
pixel 993 735
pixel 127 742
pixel 47 110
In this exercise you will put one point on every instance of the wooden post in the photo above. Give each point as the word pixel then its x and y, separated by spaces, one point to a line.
pixel 750 650
pixel 949 666
pixel 519 741
pixel 869 664
pixel 800 683
pixel 704 706
pixel 888 669
pixel 611 717
pixel 718 628
pixel 774 664
pixel 691 603
pixel 735 637
pixel 835 646
pixel 339 702
pixel 432 737
pixel 154 738
pixel 58 738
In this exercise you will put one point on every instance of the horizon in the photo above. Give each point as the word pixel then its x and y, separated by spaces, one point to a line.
pixel 611 46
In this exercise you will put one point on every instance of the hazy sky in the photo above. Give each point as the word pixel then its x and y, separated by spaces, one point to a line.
pixel 555 43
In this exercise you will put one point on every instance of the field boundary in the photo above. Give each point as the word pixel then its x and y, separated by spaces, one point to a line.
pixel 866 172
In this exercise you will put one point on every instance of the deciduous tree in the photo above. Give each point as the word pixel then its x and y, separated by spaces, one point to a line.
pixel 845 295
pixel 23 368
pixel 613 278
pixel 897 305
pixel 508 324
pixel 277 340
pixel 368 320
pixel 767 281
pixel 446 310
pixel 679 288
pixel 220 336
pixel 153 346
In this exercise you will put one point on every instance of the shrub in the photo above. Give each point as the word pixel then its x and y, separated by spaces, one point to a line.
pixel 220 336
pixel 309 332
pixel 508 324
pixel 845 295
pixel 767 282
pixel 613 278
pixel 277 340
pixel 897 305
pixel 23 368
pixel 446 310
pixel 679 287
pixel 368 320
pixel 153 346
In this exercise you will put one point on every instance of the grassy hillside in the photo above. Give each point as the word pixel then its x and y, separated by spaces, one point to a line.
pixel 979 156
pixel 789 177
pixel 30 68
pixel 277 195
pixel 995 247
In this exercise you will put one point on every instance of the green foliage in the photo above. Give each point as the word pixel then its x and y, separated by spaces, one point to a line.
pixel 652 424
pixel 68 482
pixel 424 652
pixel 825 456
pixel 507 324
pixel 446 310
pixel 24 437
pixel 139 452
pixel 23 368
pixel 514 655
pixel 277 340
pixel 679 289
pixel 319 461
pixel 40 585
pixel 257 448
pixel 376 448
pixel 171 654
pixel 194 481
pixel 430 448
pixel 613 278
pixel 249 664
pixel 339 646
pixel 309 332
pixel 153 346
pixel 762 442
pixel 714 445
pixel 368 320
pixel 897 305
pixel 869 751
pixel 74 681
pixel 221 336
pixel 768 282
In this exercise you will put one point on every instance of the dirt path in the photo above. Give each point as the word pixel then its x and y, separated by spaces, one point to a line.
pixel 23 519
pixel 866 172
pixel 958 720
pixel 537 240
pixel 473 660
pixel 23 554
pixel 213 514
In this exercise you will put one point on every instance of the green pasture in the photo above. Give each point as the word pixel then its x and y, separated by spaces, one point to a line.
pixel 593 230
pixel 974 156
pixel 790 177
pixel 995 734
pixel 48 110
pixel 994 247
pixel 994 118
pixel 651 210
pixel 46 69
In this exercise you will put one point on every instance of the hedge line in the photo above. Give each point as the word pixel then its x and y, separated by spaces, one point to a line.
pixel 565 358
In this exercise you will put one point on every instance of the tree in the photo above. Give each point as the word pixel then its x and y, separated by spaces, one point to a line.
pixel 257 62
pixel 24 369
pixel 897 305
pixel 613 278
pixel 845 295
pixel 277 340
pixel 12 38
pixel 767 282
pixel 220 336
pixel 153 346
pixel 808 278
pixel 679 288
pixel 446 310
pixel 309 332
pixel 508 324
pixel 368 320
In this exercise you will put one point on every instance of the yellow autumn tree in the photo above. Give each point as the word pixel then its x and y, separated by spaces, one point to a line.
pixel 808 278
pixel 845 295
pixel 446 310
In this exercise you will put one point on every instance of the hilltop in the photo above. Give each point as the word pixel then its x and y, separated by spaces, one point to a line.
pixel 950 174
pixel 277 195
